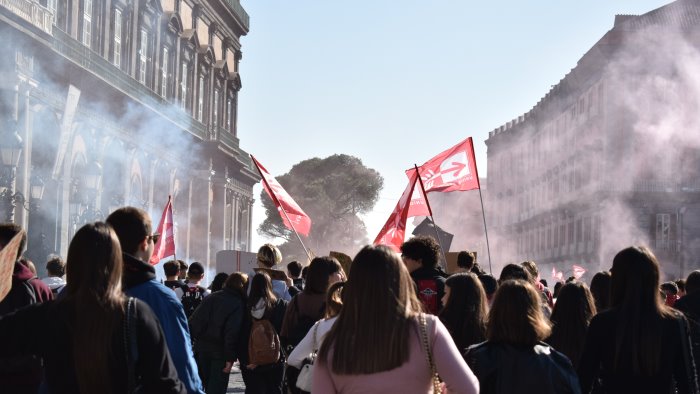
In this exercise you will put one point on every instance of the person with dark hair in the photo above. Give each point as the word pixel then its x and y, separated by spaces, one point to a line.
pixel 514 359
pixel 216 329
pixel 20 374
pixel 195 294
pixel 294 272
pixel 133 228
pixel 638 345
pixel 218 282
pixel 172 270
pixel 557 289
pixel 670 292
pixel 55 268
pixel 262 304
pixel 570 318
pixel 681 287
pixel 690 306
pixel 421 255
pixel 490 285
pixel 81 337
pixel 308 307
pixel 382 339
pixel 465 261
pixel 600 288
pixel 465 311
pixel 514 271
pixel 182 275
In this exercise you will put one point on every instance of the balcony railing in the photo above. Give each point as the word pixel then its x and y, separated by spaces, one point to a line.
pixel 32 12
pixel 240 12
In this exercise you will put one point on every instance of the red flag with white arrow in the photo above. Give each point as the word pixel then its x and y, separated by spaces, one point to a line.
pixel 165 246
pixel 578 271
pixel 394 230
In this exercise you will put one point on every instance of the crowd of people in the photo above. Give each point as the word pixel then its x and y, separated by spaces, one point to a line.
pixel 101 322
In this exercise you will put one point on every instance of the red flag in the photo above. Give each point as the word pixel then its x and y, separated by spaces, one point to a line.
pixel 392 234
pixel 300 221
pixel 578 272
pixel 451 170
pixel 166 243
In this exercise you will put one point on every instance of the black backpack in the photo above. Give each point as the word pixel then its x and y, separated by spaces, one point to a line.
pixel 191 299
pixel 303 325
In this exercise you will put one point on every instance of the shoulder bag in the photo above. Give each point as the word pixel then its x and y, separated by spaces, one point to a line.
pixel 306 375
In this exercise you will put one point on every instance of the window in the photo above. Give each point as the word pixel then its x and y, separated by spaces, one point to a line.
pixel 164 74
pixel 117 55
pixel 663 230
pixel 183 86
pixel 52 5
pixel 229 114
pixel 215 120
pixel 143 56
pixel 87 23
pixel 200 102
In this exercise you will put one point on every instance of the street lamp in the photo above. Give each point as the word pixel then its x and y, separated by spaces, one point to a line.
pixel 36 187
pixel 10 151
pixel 10 148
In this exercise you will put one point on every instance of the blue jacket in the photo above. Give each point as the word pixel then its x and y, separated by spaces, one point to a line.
pixel 140 282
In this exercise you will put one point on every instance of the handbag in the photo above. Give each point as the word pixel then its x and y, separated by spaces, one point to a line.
pixel 437 385
pixel 306 375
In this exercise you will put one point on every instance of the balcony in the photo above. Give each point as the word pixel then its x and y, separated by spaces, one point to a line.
pixel 239 12
pixel 33 12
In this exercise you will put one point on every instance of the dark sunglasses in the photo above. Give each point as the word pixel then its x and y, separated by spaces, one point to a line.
pixel 155 237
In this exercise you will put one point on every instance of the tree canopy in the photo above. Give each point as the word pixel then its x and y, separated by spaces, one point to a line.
pixel 333 191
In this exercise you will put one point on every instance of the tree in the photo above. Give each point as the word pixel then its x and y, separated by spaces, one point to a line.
pixel 333 191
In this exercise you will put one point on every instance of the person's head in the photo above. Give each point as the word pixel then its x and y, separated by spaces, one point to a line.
pixel 8 231
pixel 94 263
pixel 669 288
pixel 681 287
pixel 196 272
pixel 29 264
pixel 133 227
pixel 490 284
pixel 304 272
pixel 516 315
pixel 557 289
pixel 171 269
pixel 635 278
pixel 466 260
pixel 183 269
pixel 237 282
pixel 420 251
pixel 269 256
pixel 294 269
pixel 56 267
pixel 514 271
pixel 465 309
pixel 571 315
pixel 692 284
pixel 261 289
pixel 544 282
pixel 323 272
pixel 218 282
pixel 531 268
pixel 379 309
pixel 600 288
pixel 334 299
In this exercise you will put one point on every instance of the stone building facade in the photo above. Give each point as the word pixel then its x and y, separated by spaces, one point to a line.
pixel 607 159
pixel 106 103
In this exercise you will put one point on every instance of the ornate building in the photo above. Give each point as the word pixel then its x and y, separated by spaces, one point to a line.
pixel 107 103
pixel 610 156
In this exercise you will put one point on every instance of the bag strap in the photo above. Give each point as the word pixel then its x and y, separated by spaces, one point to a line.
pixel 687 354
pixel 437 389
pixel 315 346
pixel 130 345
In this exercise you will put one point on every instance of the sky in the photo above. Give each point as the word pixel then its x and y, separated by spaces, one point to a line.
pixel 396 82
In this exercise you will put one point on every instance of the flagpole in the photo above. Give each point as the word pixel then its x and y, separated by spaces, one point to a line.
pixel 483 212
pixel 277 203
pixel 430 211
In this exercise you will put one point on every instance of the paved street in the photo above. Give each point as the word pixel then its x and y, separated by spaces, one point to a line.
pixel 235 382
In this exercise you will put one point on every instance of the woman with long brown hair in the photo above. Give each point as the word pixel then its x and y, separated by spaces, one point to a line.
pixel 94 339
pixel 570 318
pixel 638 345
pixel 514 359
pixel 465 309
pixel 381 342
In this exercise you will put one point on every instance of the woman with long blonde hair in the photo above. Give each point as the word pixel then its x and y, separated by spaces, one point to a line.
pixel 382 342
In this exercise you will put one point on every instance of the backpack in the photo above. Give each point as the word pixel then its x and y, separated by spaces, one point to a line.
pixel 303 325
pixel 264 344
pixel 191 298
pixel 428 295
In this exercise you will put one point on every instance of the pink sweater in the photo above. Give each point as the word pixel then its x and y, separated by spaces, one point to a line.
pixel 411 377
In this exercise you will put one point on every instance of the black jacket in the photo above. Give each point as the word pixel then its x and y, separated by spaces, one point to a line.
pixel 426 296
pixel 690 306
pixel 45 330
pixel 136 271
pixel 503 368
pixel 216 324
